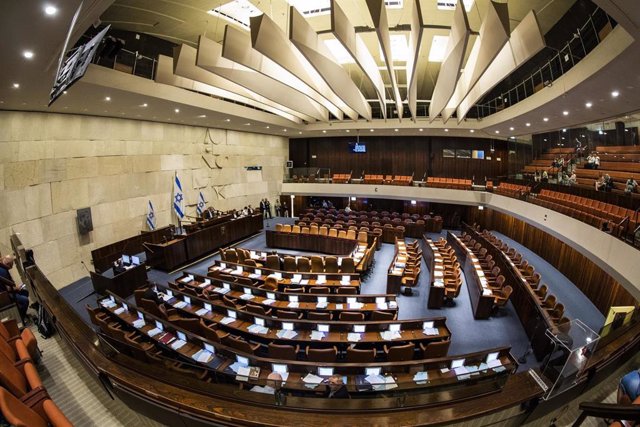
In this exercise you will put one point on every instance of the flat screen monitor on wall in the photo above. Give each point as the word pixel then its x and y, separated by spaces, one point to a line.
pixel 357 147
pixel 478 154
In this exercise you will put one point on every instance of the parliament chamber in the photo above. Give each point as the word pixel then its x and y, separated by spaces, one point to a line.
pixel 319 212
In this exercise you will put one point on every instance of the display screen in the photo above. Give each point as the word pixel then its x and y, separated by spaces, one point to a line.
pixel 357 147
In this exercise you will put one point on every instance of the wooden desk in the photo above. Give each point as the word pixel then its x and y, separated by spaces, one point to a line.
pixel 168 255
pixel 311 243
pixel 434 260
pixel 122 284
pixel 395 272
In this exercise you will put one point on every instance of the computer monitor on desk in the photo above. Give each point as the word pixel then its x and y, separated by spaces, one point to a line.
pixel 126 260
pixel 135 260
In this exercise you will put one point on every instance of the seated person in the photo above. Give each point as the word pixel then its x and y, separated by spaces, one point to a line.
pixel 119 267
pixel 631 186
pixel 599 183
pixel 347 209
pixel 18 294
pixel 573 179
pixel 608 183
pixel 272 385
pixel 336 388
pixel 209 213
pixel 629 388
pixel 545 176
pixel 596 161
pixel 152 295
pixel 590 162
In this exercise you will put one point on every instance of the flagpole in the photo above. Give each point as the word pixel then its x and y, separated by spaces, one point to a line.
pixel 175 176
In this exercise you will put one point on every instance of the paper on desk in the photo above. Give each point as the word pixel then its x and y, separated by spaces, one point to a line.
pixel 153 332
pixel 202 312
pixel 444 370
pixel 483 367
pixel 247 296
pixel 494 363
pixel 283 333
pixel 499 369
pixel 178 344
pixel 293 305
pixel 244 371
pixel 268 301
pixel 257 329
pixel 390 335
pixel 461 370
pixel 203 285
pixel 107 303
pixel 235 366
pixel 353 337
pixel 382 306
pixel 119 311
pixel 254 276
pixel 431 331
pixel 139 323
pixel 421 377
pixel 185 280
pixel 180 304
pixel 356 305
pixel 166 297
pixel 322 305
pixel 375 379
pixel 312 379
pixel 227 320
pixel 296 279
pixel 393 304
pixel 339 306
pixel 304 281
pixel 389 384
pixel 317 335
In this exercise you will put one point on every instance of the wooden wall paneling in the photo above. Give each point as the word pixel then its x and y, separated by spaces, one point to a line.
pixel 601 289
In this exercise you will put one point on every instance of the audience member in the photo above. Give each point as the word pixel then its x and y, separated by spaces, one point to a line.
pixel 631 186
pixel 573 179
pixel 336 388
pixel 278 208
pixel 536 176
pixel 263 208
pixel 599 183
pixel 590 162
pixel 18 294
pixel 608 183
pixel 347 209
pixel 596 161
pixel 267 206
pixel 545 176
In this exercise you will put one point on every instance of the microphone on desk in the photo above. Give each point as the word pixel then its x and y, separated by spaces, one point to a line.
pixel 88 271
pixel 85 267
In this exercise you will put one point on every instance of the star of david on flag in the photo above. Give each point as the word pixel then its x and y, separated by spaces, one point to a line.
pixel 151 217
pixel 178 198
pixel 201 204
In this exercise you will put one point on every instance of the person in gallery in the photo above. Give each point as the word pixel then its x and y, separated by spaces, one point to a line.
pixel 336 389
pixel 18 294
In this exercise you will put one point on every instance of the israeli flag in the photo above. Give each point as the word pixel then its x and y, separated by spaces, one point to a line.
pixel 201 204
pixel 151 217
pixel 178 198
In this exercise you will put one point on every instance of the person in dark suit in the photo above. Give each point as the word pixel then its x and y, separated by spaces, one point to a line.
pixel 263 209
pixel 336 389
pixel 152 295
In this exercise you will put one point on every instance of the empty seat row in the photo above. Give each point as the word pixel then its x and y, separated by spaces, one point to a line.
pixel 451 183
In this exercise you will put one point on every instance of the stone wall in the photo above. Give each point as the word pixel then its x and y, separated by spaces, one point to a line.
pixel 53 164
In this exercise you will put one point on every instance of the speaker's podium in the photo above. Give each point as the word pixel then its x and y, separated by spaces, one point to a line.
pixel 121 282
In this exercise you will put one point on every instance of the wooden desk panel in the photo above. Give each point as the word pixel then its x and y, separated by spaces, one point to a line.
pixel 311 243
pixel 122 284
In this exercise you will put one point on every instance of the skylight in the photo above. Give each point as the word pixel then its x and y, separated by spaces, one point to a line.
pixel 323 7
pixel 438 48
pixel 399 48
pixel 451 4
pixel 237 12
pixel 339 52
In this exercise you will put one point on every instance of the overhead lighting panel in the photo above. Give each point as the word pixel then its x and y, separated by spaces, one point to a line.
pixel 339 52
pixel 311 8
pixel 399 48
pixel 438 48
pixel 451 4
pixel 237 12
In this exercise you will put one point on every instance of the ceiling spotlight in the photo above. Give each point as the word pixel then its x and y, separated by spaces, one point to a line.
pixel 145 105
pixel 446 130
pixel 370 130
pixel 27 54
pixel 497 131
pixel 615 93
pixel 299 133
pixel 324 131
pixel 423 129
pixel 227 120
pixel 528 124
pixel 588 105
pixel 107 98
pixel 16 85
pixel 202 116
pixel 395 130
pixel 546 119
pixel 64 92
pixel 284 130
pixel 348 131
pixel 545 140
pixel 50 10
pixel 267 127
pixel 177 110
pixel 564 130
pixel 511 128
pixel 565 113
pixel 471 130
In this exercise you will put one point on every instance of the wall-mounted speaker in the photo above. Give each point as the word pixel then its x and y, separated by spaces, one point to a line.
pixel 85 223
pixel 289 164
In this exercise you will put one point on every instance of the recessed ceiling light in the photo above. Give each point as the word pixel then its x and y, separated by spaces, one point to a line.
pixel 545 140
pixel 247 124
pixel 267 127
pixel 324 131
pixel 370 130
pixel 512 137
pixel 107 98
pixel 348 131
pixel 177 110
pixel 564 130
pixel 202 116
pixel 446 130
pixel 64 92
pixel 227 120
pixel 565 113
pixel 528 124
pixel 284 130
pixel 27 54
pixel 615 93
pixel 588 105
pixel 511 128
pixel 497 131
pixel 395 130
pixel 50 10
pixel 546 119
pixel 471 130
pixel 299 133
pixel 145 105
pixel 16 85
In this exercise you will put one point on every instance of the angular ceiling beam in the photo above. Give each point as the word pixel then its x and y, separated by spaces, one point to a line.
pixel 316 52
pixel 269 39
pixel 165 75
pixel 452 63
pixel 415 40
pixel 210 58
pixel 525 42
pixel 378 12
pixel 494 34
pixel 345 33
pixel 236 47
pixel 184 65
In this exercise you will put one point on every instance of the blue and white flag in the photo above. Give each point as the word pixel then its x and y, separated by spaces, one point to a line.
pixel 178 198
pixel 201 204
pixel 151 217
